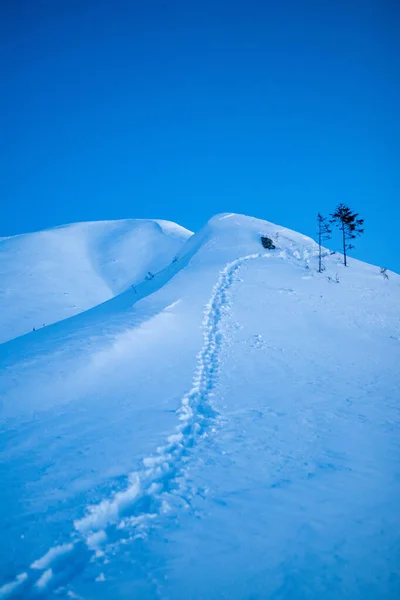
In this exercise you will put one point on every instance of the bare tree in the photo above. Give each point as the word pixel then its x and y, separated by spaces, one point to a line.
pixel 324 233
pixel 383 271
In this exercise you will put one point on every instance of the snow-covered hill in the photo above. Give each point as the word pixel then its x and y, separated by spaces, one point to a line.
pixel 227 429
pixel 51 275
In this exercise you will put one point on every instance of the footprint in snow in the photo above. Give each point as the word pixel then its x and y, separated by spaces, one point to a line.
pixel 256 341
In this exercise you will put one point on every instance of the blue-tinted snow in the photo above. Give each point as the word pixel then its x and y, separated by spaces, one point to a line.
pixel 229 429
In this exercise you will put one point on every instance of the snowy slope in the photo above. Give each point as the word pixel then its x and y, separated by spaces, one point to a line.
pixel 51 275
pixel 229 429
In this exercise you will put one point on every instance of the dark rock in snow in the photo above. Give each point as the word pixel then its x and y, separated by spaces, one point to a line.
pixel 267 243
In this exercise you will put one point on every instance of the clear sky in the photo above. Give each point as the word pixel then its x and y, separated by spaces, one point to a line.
pixel 181 109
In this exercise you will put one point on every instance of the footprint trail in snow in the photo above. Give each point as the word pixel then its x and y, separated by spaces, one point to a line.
pixel 132 512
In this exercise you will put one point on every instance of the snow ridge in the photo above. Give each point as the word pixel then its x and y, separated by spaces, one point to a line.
pixel 130 513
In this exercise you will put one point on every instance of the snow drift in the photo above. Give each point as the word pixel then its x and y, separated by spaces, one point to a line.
pixel 51 275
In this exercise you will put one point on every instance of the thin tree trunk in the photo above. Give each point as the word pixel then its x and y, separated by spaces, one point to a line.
pixel 344 245
pixel 319 251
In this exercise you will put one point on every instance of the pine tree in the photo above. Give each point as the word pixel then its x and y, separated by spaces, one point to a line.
pixel 350 226
pixel 324 233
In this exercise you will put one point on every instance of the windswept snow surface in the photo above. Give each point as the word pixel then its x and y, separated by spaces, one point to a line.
pixel 228 429
pixel 51 275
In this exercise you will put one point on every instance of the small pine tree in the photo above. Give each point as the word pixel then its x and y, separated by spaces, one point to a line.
pixel 324 233
pixel 349 224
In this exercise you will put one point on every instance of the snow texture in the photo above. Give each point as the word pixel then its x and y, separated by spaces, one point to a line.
pixel 227 429
pixel 54 274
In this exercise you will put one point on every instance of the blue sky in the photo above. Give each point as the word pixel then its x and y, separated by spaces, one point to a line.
pixel 181 109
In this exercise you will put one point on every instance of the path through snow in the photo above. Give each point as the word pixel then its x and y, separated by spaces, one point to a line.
pixel 151 491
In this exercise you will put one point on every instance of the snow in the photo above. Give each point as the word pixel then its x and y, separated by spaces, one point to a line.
pixel 44 579
pixel 51 275
pixel 49 557
pixel 227 429
pixel 8 588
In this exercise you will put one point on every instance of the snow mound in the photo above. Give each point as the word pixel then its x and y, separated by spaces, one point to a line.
pixel 53 274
